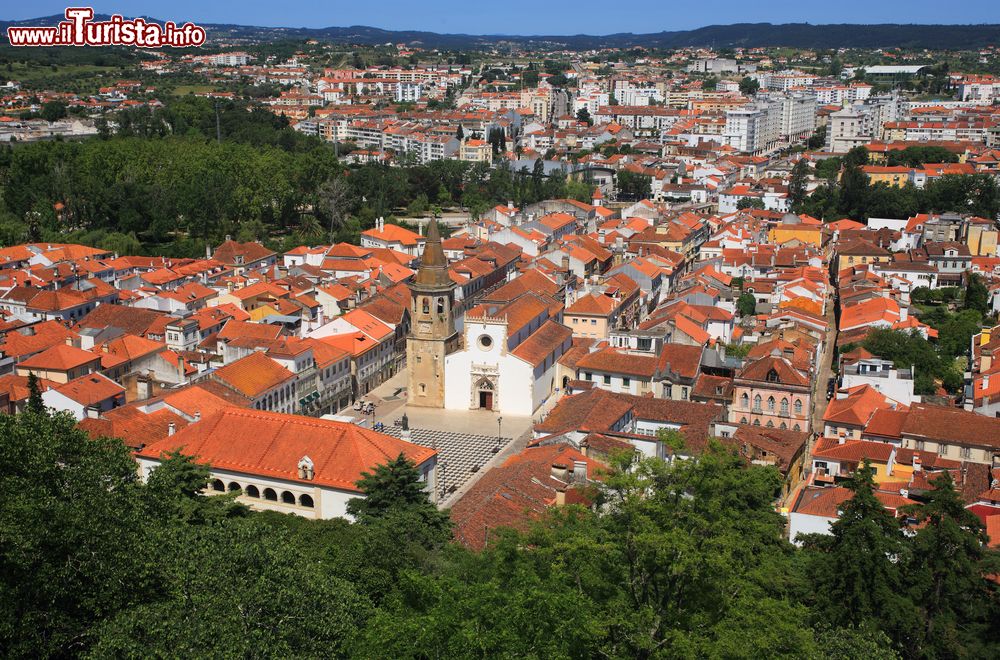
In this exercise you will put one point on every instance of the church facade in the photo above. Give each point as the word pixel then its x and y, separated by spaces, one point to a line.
pixel 508 359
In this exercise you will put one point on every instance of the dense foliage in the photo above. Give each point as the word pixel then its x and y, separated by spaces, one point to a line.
pixel 684 560
pixel 848 192
pixel 171 180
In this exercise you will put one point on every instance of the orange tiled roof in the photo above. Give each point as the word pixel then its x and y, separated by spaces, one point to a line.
pixel 272 444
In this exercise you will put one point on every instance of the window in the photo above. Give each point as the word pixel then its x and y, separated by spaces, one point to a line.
pixel 770 424
pixel 426 305
pixel 440 305
pixel 233 487
pixel 770 404
pixel 784 406
pixel 607 379
pixel 797 427
pixel 756 403
pixel 270 495
pixel 783 426
pixel 575 321
pixel 626 382
pixel 287 498
pixel 745 401
pixel 684 393
pixel 920 445
pixel 593 321
pixel 485 342
pixel 743 420
pixel 798 406
pixel 217 485
pixel 306 501
pixel 966 452
pixel 251 491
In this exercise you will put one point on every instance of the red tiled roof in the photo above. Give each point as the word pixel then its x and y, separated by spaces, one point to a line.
pixel 272 444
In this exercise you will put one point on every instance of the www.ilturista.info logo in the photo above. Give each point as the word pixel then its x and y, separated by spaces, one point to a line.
pixel 79 29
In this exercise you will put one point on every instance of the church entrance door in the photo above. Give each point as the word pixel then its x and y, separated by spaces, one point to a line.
pixel 486 400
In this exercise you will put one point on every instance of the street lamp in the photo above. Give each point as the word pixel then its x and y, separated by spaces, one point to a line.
pixel 499 426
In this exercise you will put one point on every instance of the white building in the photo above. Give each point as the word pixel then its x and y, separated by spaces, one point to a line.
pixel 798 117
pixel 508 362
pixel 896 384
pixel 754 129
pixel 287 463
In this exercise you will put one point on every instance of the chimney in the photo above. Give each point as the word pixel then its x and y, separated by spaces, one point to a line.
pixel 916 462
pixel 840 438
pixel 171 428
pixel 580 472
pixel 510 205
pixel 560 472
pixel 197 415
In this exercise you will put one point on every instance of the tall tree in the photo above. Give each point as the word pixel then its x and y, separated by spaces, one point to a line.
pixel 945 573
pixel 858 577
pixel 797 183
pixel 35 404
pixel 395 487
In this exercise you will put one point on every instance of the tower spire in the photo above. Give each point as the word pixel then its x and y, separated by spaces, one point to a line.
pixel 433 270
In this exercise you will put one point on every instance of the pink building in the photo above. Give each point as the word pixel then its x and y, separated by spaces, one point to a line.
pixel 770 392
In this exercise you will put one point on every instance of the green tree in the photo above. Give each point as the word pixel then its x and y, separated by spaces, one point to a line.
pixel 746 304
pixel 977 295
pixel 749 86
pixel 583 115
pixel 750 203
pixel 53 111
pixel 797 183
pixel 74 541
pixel 858 579
pixel 35 404
pixel 945 572
pixel 460 133
pixel 392 487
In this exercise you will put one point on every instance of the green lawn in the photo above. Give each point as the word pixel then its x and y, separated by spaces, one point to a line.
pixel 182 90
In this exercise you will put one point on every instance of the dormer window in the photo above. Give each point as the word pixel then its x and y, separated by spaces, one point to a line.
pixel 772 377
pixel 306 469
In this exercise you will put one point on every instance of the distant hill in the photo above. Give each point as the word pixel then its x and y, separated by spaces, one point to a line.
pixel 749 35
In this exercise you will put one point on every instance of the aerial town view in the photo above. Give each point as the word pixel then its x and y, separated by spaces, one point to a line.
pixel 463 330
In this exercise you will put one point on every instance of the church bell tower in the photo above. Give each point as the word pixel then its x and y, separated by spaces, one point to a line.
pixel 432 328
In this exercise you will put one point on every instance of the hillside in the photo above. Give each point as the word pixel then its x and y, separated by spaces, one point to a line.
pixel 802 35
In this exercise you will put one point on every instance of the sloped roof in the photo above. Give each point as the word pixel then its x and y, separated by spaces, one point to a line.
pixel 271 444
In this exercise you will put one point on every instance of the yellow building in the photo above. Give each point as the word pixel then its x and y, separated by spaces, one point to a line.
pixel 860 252
pixel 805 234
pixel 981 237
pixel 894 176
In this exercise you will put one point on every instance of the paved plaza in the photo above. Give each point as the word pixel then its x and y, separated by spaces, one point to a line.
pixel 468 442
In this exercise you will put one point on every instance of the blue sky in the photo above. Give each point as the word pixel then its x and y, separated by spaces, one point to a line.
pixel 530 16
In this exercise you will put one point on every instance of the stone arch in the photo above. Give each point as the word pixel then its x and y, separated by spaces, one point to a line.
pixel 484 393
pixel 270 495
pixel 251 491
pixel 233 487
pixel 287 498
pixel 306 501
pixel 218 486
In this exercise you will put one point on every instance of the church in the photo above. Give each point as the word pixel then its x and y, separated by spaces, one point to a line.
pixel 505 358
